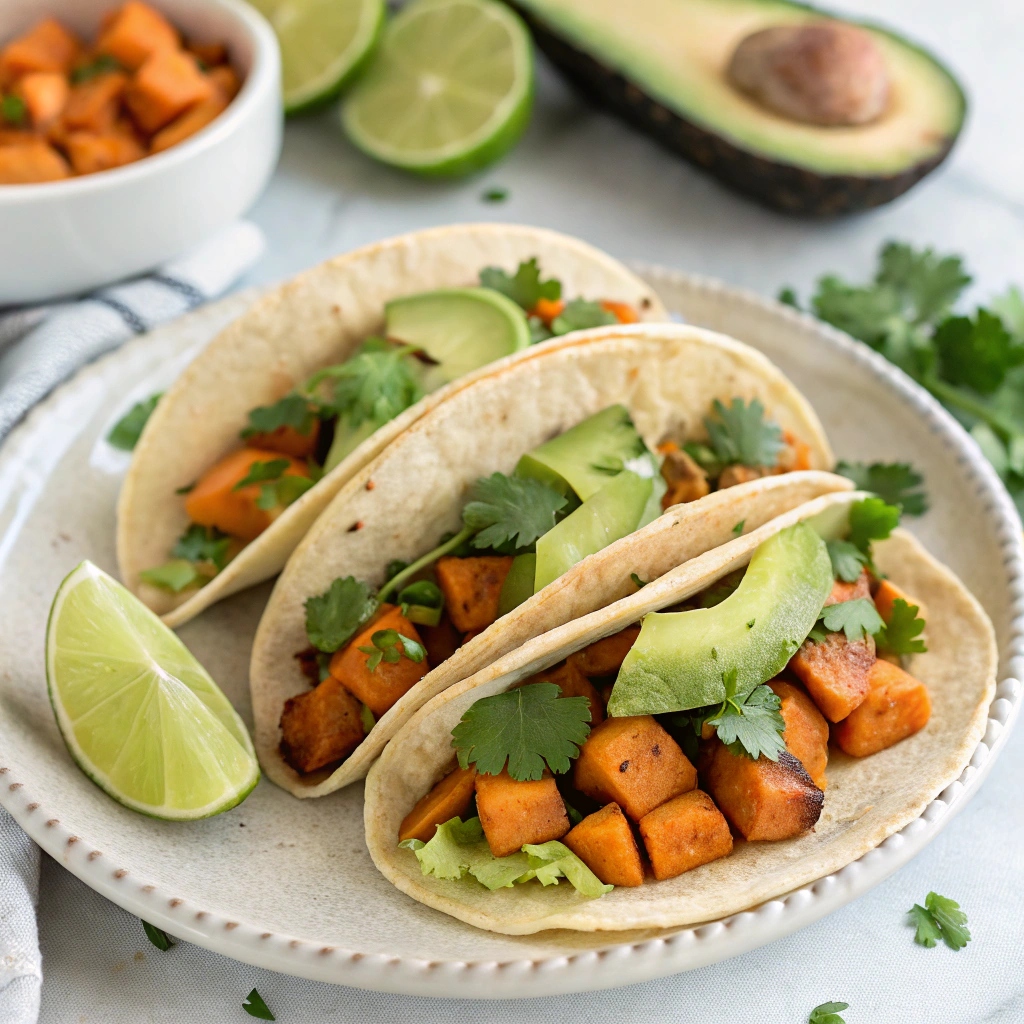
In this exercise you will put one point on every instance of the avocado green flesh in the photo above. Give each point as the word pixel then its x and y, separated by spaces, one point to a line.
pixel 518 585
pixel 605 517
pixel 677 51
pixel 679 659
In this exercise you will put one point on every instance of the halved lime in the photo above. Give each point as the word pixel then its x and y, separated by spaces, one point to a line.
pixel 449 91
pixel 140 716
pixel 324 44
pixel 461 328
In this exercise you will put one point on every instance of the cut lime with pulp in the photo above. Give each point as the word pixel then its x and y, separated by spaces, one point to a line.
pixel 324 44
pixel 449 91
pixel 140 716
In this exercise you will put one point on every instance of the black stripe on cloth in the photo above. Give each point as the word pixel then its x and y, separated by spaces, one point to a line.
pixel 126 313
pixel 192 295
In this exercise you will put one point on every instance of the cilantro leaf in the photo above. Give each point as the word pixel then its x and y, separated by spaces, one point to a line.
pixel 926 284
pixel 741 434
pixel 750 725
pixel 511 512
pixel 260 471
pixel 787 296
pixel 291 411
pixel 99 66
pixel 856 619
pixel 928 932
pixel 539 330
pixel 827 1013
pixel 256 1007
pixel 174 575
pixel 13 109
pixel 127 430
pixel 529 727
pixel 203 544
pixel 940 917
pixel 901 634
pixel 333 618
pixel 738 528
pixel 389 645
pixel 895 483
pixel 847 560
pixel 871 519
pixel 525 287
pixel 579 314
pixel 976 353
pixel 1010 309
pixel 157 936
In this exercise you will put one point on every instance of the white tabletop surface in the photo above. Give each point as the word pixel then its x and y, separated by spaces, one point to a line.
pixel 581 172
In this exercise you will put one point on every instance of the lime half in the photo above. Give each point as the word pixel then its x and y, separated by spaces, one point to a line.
pixel 140 716
pixel 449 91
pixel 324 44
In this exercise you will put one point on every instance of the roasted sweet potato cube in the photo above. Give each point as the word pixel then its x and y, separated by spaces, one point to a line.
pixel 286 440
pixel 211 54
pixel 573 683
pixel 48 46
pixel 181 128
pixel 806 734
pixel 737 474
pixel 93 105
pixel 90 152
pixel 450 797
pixel 441 641
pixel 897 706
pixel 635 763
pixel 761 799
pixel 887 594
pixel 380 689
pixel 226 81
pixel 685 478
pixel 605 843
pixel 514 813
pixel 687 831
pixel 794 454
pixel 31 162
pixel 45 94
pixel 320 726
pixel 843 591
pixel 135 33
pixel 603 657
pixel 835 672
pixel 471 588
pixel 165 86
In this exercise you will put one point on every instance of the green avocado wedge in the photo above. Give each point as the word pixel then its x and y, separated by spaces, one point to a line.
pixel 679 659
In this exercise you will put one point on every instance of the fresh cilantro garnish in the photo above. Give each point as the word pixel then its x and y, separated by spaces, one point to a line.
pixel 539 331
pixel 256 1007
pixel 828 1013
pixel 871 519
pixel 524 287
pixel 494 195
pixel 529 727
pixel 856 619
pixel 940 918
pixel 739 433
pixel 511 513
pixel 704 457
pixel 127 430
pixel 333 618
pixel 203 544
pixel 738 528
pixel 283 492
pixel 389 645
pixel 579 314
pixel 787 296
pixel 901 634
pixel 637 582
pixel 976 353
pixel 366 719
pixel 157 936
pixel 262 471
pixel 13 109
pixel 100 65
pixel 174 575
pixel 847 560
pixel 291 411
pixel 750 724
pixel 896 483
pixel 422 602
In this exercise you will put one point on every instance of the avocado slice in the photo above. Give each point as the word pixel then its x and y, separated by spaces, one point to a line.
pixel 661 65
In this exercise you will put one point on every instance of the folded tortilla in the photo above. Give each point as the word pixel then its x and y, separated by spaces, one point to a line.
pixel 867 799
pixel 399 505
pixel 314 320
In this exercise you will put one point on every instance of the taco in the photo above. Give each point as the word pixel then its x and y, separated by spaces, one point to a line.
pixel 279 410
pixel 526 498
pixel 754 719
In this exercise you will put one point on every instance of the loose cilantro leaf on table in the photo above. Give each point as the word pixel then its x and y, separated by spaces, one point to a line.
pixel 333 617
pixel 901 635
pixel 525 287
pixel 157 936
pixel 871 519
pixel 896 483
pixel 529 727
pixel 976 353
pixel 847 560
pixel 511 513
pixel 291 411
pixel 256 1007
pixel 940 917
pixel 856 619
pixel 579 314
pixel 828 1013
pixel 203 544
pixel 739 433
pixel 751 724
pixel 389 645
pixel 127 430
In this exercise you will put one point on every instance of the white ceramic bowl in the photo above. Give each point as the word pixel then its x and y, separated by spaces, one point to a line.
pixel 64 237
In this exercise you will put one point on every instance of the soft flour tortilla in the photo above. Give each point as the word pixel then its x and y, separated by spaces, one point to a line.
pixel 312 321
pixel 667 375
pixel 867 799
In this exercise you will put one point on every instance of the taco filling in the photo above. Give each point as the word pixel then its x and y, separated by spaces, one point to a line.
pixel 429 340
pixel 568 498
pixel 645 753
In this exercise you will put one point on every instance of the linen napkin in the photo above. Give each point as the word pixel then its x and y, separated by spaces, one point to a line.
pixel 39 348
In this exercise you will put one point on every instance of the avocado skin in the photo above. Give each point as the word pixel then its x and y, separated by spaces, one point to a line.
pixel 779 186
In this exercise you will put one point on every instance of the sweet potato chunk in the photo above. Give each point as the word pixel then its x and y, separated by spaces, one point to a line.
pixel 604 842
pixel 835 672
pixel 737 474
pixel 91 152
pixel 226 81
pixel 441 641
pixel 135 33
pixel 843 591
pixel 897 706
pixel 165 86
pixel 806 733
pixel 573 683
pixel 45 93
pixel 380 689
pixel 888 594
pixel 633 762
pixel 30 162
pixel 320 726
pixel 687 831
pixel 762 799
pixel 48 46
pixel 471 588
pixel 93 105
pixel 286 440
pixel 183 127
pixel 794 454
pixel 603 657
pixel 686 480
pixel 211 54
pixel 514 813
pixel 450 797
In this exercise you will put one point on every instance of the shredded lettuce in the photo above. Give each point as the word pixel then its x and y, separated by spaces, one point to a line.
pixel 554 860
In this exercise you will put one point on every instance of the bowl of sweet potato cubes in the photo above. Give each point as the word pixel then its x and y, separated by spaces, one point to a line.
pixel 127 134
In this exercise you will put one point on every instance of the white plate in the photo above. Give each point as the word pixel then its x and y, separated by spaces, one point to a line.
pixel 287 884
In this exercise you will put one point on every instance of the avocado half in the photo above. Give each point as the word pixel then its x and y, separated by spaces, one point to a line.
pixel 661 65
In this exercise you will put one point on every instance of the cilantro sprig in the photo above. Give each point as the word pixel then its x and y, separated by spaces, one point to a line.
pixel 939 918
pixel 525 287
pixel 197 556
pixel 739 433
pixel 509 513
pixel 293 411
pixel 857 619
pixel 128 429
pixel 902 633
pixel 579 314
pixel 390 646
pixel 896 483
pixel 278 490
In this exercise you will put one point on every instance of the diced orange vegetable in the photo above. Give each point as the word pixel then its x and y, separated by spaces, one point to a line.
pixel 93 105
pixel 48 46
pixel 622 311
pixel 514 813
pixel 887 594
pixel 547 310
pixel 90 152
pixel 45 93
pixel 183 127
pixel 320 727
pixel 380 689
pixel 762 799
pixel 31 162
pixel 471 588
pixel 450 797
pixel 685 832
pixel 16 136
pixel 214 501
pixel 843 591
pixel 286 440
pixel 604 842
pixel 795 454
pixel 165 86
pixel 686 480
pixel 603 657
pixel 211 54
pixel 226 81
pixel 897 706
pixel 737 474
pixel 441 641
pixel 573 683
pixel 633 762
pixel 835 672
pixel 135 33
pixel 806 733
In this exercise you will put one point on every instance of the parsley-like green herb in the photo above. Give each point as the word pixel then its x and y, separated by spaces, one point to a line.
pixel 579 314
pixel 901 634
pixel 528 727
pixel 750 725
pixel 510 513
pixel 157 936
pixel 127 430
pixel 422 602
pixel 390 646
pixel 292 411
pixel 334 617
pixel 256 1007
pixel 203 544
pixel 896 483
pixel 871 519
pixel 738 528
pixel 525 287
pixel 102 64
pixel 739 433
pixel 847 560
pixel 787 296
pixel 940 917
pixel 828 1013
pixel 262 471
pixel 13 109
pixel 976 353
pixel 856 619
pixel 494 195
pixel 539 330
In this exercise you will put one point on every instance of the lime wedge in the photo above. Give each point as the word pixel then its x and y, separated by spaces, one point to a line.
pixel 140 716
pixel 450 90
pixel 324 44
